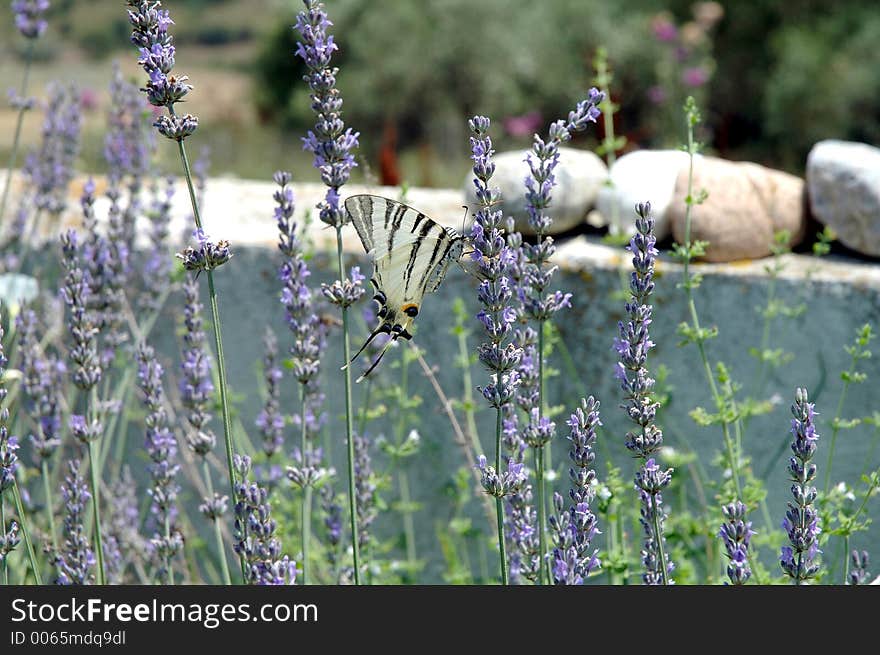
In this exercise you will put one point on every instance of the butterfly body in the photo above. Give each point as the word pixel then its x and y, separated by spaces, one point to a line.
pixel 411 254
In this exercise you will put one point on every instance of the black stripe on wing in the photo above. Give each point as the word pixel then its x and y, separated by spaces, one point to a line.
pixel 360 208
pixel 420 239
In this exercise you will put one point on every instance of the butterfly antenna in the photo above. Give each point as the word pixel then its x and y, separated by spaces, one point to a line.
pixel 464 218
pixel 370 338
pixel 378 359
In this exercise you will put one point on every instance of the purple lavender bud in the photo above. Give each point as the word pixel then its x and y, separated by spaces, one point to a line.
pixel 801 521
pixel 330 142
pixel 29 19
pixel 500 393
pixel 348 291
pixel 736 533
pixel 161 446
pixel 176 128
pixel 84 431
pixel 858 573
pixel 207 256
pixel 75 562
pixel 539 431
pixel 215 507
pixel 504 484
pixel 254 532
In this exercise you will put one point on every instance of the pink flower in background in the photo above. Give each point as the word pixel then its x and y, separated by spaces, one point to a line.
pixel 695 76
pixel 88 99
pixel 657 94
pixel 524 125
pixel 663 27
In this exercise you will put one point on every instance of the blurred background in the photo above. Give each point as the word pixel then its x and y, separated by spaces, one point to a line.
pixel 772 76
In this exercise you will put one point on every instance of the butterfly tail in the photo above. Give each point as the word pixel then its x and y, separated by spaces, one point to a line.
pixel 378 359
pixel 375 333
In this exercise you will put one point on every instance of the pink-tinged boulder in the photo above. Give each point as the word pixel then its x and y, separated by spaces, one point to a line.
pixel 746 205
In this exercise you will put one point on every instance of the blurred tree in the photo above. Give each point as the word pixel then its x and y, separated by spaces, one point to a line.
pixel 825 84
pixel 427 66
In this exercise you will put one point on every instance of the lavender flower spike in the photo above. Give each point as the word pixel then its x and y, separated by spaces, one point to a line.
pixel 270 420
pixel 736 533
pixel 576 525
pixel 798 560
pixel 254 532
pixel 161 447
pixel 76 561
pixel 8 444
pixel 9 538
pixel 497 317
pixel 50 168
pixel 330 142
pixel 196 388
pixel 632 346
pixel 150 34
pixel 77 294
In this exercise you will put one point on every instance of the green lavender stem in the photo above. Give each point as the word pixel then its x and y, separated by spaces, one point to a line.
pixel 95 477
pixel 50 514
pixel 307 492
pixel 409 531
pixel 835 425
pixel 169 572
pixel 499 507
pixel 349 432
pixel 658 540
pixel 218 537
pixel 409 528
pixel 18 123
pixel 543 574
pixel 542 546
pixel 695 320
pixel 22 524
pixel 218 340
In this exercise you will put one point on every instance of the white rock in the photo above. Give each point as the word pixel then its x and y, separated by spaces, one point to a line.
pixel 640 176
pixel 579 176
pixel 843 183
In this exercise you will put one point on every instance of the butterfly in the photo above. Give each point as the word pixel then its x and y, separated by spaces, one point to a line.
pixel 410 253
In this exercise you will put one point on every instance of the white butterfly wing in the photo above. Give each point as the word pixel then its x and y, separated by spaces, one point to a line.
pixel 410 252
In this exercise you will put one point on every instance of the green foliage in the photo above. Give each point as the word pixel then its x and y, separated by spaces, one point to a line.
pixel 427 66
pixel 824 82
